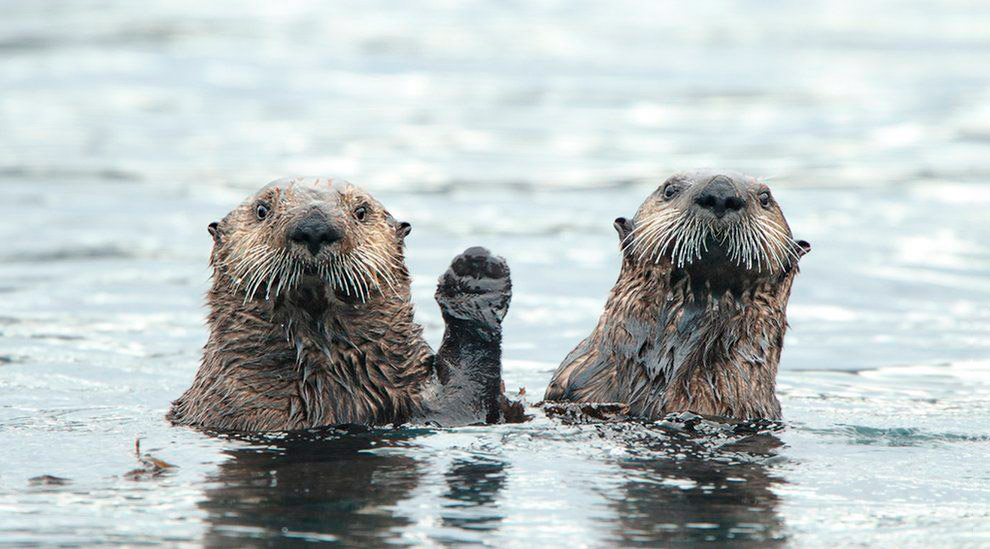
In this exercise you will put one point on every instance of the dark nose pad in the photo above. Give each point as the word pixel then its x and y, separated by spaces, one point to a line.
pixel 314 232
pixel 720 196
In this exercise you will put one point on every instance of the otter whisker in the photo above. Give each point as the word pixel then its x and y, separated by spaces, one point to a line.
pixel 250 269
pixel 755 249
pixel 747 247
pixel 648 248
pixel 256 279
pixel 352 278
pixel 669 239
pixel 284 276
pixel 686 252
pixel 778 231
pixel 683 230
pixel 697 231
pixel 641 241
pixel 374 276
pixel 649 231
pixel 278 270
pixel 359 275
pixel 340 280
pixel 648 243
pixel 288 274
pixel 344 276
pixel 350 285
pixel 347 264
pixel 650 226
pixel 736 245
pixel 381 269
pixel 653 220
pixel 355 275
pixel 256 256
pixel 767 249
pixel 782 237
pixel 265 274
pixel 778 241
pixel 776 225
pixel 250 277
pixel 371 260
pixel 289 277
pixel 757 252
pixel 781 232
pixel 701 240
pixel 327 274
pixel 334 278
pixel 753 243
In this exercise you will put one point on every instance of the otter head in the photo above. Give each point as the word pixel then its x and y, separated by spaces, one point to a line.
pixel 722 229
pixel 309 233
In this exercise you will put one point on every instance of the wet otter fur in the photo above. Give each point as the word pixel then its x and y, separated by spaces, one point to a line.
pixel 311 322
pixel 696 320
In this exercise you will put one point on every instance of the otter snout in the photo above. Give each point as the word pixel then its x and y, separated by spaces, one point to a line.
pixel 720 196
pixel 314 232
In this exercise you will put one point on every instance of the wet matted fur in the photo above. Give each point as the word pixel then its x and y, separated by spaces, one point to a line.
pixel 311 322
pixel 696 320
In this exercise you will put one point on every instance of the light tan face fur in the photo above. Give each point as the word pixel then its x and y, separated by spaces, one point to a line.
pixel 252 244
pixel 672 225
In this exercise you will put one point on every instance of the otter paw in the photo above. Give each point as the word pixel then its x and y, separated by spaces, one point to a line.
pixel 475 287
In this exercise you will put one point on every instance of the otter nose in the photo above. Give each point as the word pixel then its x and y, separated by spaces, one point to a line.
pixel 719 196
pixel 314 232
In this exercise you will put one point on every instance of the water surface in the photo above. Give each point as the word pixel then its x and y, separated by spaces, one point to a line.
pixel 525 127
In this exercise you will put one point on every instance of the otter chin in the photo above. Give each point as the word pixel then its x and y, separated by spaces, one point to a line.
pixel 696 320
pixel 311 322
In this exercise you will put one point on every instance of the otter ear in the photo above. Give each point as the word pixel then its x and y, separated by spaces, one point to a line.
pixel 805 247
pixel 624 227
pixel 214 229
pixel 403 229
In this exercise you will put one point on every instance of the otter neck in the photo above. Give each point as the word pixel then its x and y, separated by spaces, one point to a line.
pixel 308 345
pixel 710 348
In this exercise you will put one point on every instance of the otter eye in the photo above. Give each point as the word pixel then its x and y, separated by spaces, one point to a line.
pixel 262 210
pixel 360 213
pixel 765 198
pixel 670 191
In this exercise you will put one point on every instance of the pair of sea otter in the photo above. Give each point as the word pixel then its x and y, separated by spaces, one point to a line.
pixel 311 322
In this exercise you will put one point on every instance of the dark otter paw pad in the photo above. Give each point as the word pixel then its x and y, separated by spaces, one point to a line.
pixel 476 287
pixel 478 262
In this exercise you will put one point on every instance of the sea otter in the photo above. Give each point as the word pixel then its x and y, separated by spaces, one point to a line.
pixel 697 317
pixel 311 322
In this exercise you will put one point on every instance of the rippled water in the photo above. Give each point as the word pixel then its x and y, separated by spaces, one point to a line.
pixel 526 127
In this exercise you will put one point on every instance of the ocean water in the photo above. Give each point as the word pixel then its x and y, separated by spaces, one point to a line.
pixel 526 127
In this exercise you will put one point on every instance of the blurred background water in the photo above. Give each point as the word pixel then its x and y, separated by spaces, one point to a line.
pixel 526 127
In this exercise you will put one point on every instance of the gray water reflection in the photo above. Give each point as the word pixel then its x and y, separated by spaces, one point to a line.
pixel 722 503
pixel 352 487
pixel 314 486
pixel 695 481
pixel 473 487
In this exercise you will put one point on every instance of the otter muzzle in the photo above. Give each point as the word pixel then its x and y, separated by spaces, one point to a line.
pixel 314 232
pixel 720 196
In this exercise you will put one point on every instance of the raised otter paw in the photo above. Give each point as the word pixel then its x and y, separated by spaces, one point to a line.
pixel 475 287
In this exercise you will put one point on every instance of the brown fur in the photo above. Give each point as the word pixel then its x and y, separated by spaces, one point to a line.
pixel 702 335
pixel 305 347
